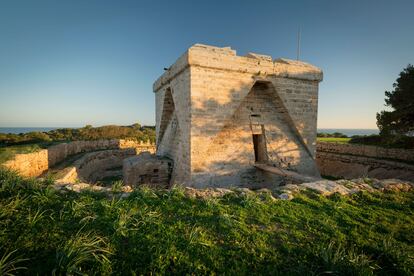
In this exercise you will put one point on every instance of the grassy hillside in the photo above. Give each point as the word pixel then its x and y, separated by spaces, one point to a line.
pixel 136 131
pixel 387 141
pixel 334 140
pixel 165 232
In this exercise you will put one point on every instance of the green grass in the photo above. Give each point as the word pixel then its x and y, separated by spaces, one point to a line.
pixel 333 140
pixel 165 232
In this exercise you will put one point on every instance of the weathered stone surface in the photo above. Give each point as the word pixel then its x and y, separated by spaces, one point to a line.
pixel 393 185
pixel 285 196
pixel 326 187
pixel 147 169
pixel 30 164
pixel 206 193
pixel 356 185
pixel 211 102
pixel 347 187
pixel 288 192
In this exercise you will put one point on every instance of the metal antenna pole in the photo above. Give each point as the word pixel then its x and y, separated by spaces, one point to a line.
pixel 298 50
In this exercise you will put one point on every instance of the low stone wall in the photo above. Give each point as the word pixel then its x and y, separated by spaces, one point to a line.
pixel 368 151
pixel 349 161
pixel 95 166
pixel 30 164
pixel 36 163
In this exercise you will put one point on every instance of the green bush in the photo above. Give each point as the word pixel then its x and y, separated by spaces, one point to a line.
pixel 331 135
pixel 389 141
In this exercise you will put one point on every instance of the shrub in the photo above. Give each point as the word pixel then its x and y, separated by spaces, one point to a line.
pixel 389 141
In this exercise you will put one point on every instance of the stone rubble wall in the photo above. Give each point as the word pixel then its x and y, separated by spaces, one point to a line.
pixel 346 187
pixel 29 164
pixel 36 163
pixel 287 192
pixel 368 151
pixel 353 161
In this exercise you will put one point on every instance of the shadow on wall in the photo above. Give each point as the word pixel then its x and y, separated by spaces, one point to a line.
pixel 222 137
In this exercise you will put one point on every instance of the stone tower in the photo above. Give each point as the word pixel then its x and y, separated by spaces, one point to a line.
pixel 219 114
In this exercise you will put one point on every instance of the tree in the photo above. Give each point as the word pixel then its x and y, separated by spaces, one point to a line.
pixel 136 126
pixel 401 119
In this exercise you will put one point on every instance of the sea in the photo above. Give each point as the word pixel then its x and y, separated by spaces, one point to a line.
pixel 347 131
pixel 18 130
pixel 350 131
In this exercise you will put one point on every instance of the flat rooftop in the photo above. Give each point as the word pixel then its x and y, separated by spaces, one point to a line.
pixel 225 58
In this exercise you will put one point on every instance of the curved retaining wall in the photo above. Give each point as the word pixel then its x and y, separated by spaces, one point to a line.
pixel 353 161
pixel 367 151
pixel 36 163
pixel 95 166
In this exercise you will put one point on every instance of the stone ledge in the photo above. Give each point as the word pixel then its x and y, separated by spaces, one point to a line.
pixel 212 57
pixel 288 192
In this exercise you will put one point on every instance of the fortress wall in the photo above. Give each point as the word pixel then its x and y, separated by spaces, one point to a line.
pixel 217 98
pixel 353 161
pixel 351 166
pixel 36 163
pixel 365 150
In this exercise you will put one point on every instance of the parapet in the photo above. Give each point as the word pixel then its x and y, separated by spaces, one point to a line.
pixel 225 58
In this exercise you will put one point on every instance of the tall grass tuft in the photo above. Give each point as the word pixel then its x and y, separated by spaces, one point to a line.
pixel 9 263
pixel 338 260
pixel 83 252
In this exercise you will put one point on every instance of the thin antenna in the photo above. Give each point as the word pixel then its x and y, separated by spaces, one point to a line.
pixel 298 49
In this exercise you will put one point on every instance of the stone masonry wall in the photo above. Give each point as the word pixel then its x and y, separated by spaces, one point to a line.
pixel 353 161
pixel 369 151
pixel 351 166
pixel 36 163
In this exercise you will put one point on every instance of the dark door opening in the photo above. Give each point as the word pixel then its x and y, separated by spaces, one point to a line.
pixel 260 150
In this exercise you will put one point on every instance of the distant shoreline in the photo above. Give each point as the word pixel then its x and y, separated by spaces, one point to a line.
pixel 349 131
pixel 346 131
pixel 18 130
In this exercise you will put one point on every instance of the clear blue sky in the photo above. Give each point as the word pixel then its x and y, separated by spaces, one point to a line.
pixel 71 63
